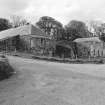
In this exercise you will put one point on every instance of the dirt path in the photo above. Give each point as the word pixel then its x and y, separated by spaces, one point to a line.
pixel 46 83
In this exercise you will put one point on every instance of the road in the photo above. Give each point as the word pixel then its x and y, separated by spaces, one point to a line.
pixel 39 82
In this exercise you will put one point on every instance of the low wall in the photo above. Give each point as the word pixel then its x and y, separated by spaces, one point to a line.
pixel 72 61
pixel 61 60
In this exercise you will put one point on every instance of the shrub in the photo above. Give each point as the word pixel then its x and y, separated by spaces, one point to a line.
pixel 5 70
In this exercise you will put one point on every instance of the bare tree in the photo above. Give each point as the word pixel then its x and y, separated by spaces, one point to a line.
pixel 17 21
pixel 96 27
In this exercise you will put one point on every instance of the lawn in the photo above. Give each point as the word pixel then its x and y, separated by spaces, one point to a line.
pixel 48 83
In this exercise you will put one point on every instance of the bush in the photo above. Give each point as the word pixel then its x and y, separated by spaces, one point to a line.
pixel 5 70
pixel 101 61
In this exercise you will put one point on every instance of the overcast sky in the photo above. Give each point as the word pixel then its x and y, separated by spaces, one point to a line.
pixel 61 10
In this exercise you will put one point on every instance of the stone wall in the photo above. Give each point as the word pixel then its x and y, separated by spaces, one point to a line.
pixel 37 45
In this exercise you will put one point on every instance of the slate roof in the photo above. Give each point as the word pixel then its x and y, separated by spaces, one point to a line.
pixel 91 39
pixel 22 30
pixel 66 44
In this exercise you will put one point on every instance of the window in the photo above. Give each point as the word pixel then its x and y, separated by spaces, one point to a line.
pixel 98 53
pixel 41 41
pixel 94 52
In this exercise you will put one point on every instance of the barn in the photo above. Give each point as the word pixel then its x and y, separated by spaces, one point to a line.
pixel 27 38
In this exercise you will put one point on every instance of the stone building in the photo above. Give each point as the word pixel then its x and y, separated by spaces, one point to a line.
pixel 26 38
pixel 91 47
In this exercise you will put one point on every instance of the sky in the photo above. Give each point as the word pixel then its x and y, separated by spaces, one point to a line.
pixel 62 10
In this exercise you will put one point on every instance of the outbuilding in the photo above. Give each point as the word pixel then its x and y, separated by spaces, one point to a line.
pixel 92 46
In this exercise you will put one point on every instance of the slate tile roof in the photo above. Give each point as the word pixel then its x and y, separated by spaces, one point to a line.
pixel 22 30
pixel 66 44
pixel 90 39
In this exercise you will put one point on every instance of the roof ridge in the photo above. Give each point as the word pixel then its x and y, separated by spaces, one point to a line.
pixel 87 39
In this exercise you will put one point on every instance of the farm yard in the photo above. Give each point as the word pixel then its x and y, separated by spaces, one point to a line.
pixel 52 52
pixel 39 82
